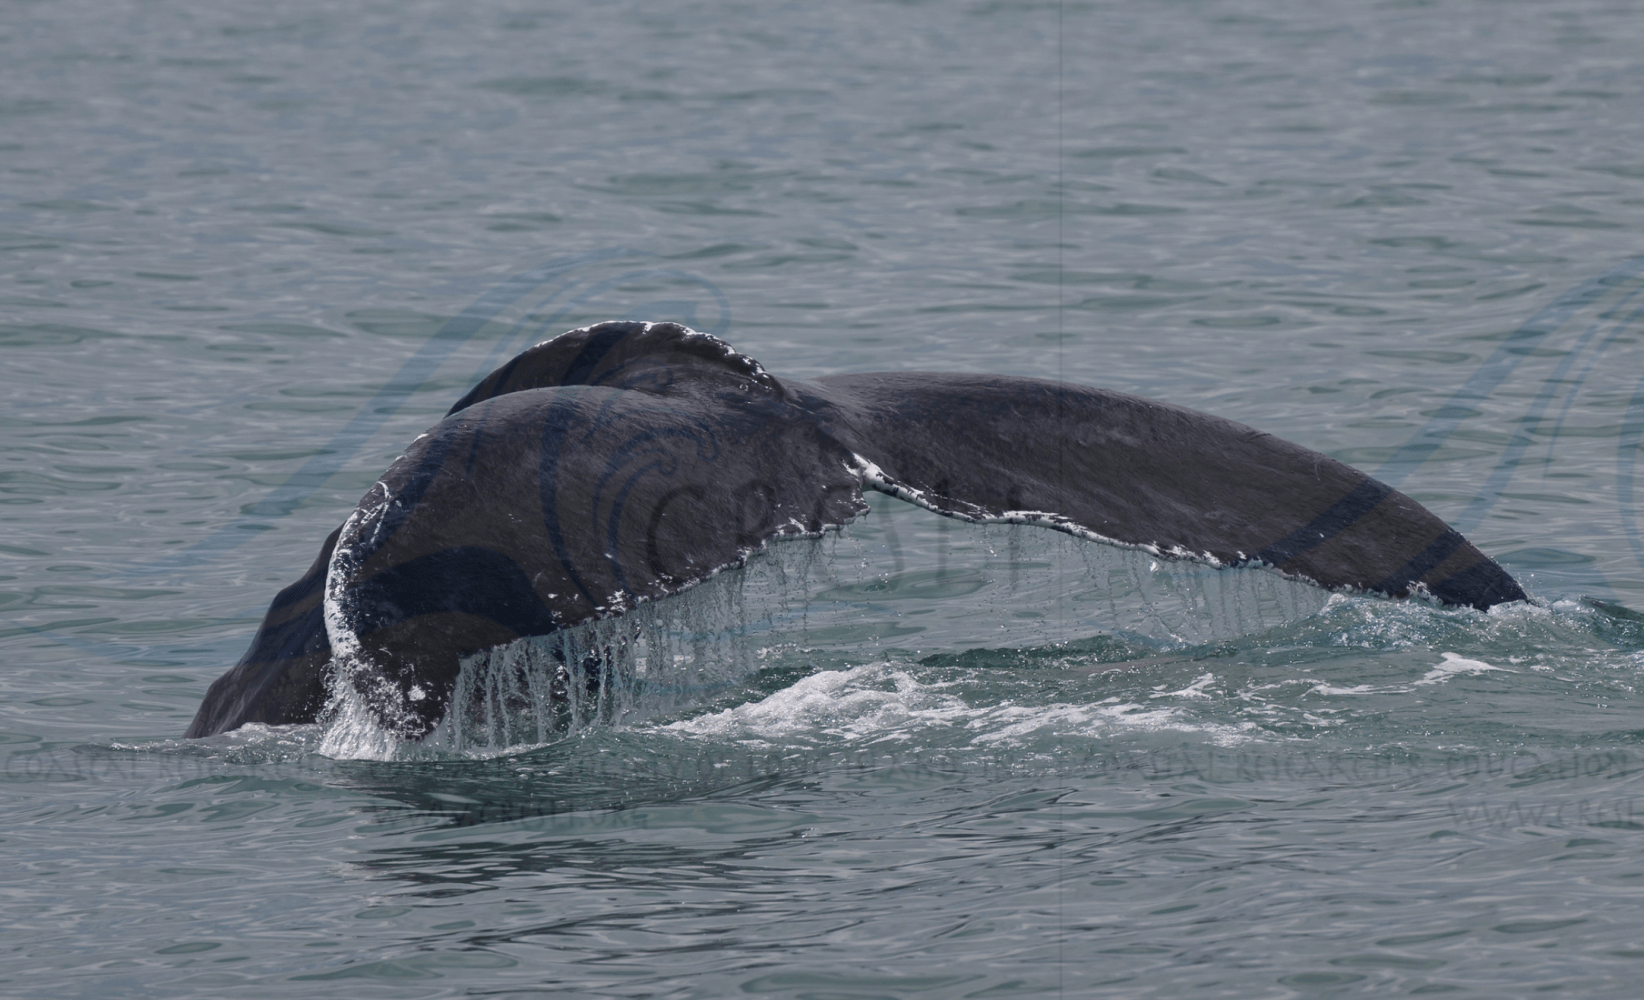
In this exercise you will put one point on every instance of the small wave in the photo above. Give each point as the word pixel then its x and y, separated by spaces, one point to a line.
pixel 1195 690
pixel 1016 725
pixel 1454 664
pixel 1338 689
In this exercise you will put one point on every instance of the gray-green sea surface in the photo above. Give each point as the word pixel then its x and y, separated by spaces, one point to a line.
pixel 248 252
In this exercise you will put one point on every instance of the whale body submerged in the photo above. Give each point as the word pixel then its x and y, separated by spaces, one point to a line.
pixel 624 462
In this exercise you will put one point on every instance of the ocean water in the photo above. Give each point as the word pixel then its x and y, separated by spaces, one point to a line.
pixel 249 251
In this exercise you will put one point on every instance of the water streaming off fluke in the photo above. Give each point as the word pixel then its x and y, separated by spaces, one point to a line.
pixel 901 581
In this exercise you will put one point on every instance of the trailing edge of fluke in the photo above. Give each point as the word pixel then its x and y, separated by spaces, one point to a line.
pixel 628 461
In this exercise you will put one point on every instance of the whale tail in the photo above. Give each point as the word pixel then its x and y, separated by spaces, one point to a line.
pixel 625 462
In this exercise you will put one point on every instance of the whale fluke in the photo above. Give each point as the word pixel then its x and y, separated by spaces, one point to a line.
pixel 624 462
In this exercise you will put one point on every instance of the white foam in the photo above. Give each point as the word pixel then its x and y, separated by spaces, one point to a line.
pixel 1333 689
pixel 1194 690
pixel 350 730
pixel 1455 664
pixel 879 702
pixel 873 701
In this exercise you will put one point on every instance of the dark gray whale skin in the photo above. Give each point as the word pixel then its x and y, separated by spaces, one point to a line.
pixel 627 461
